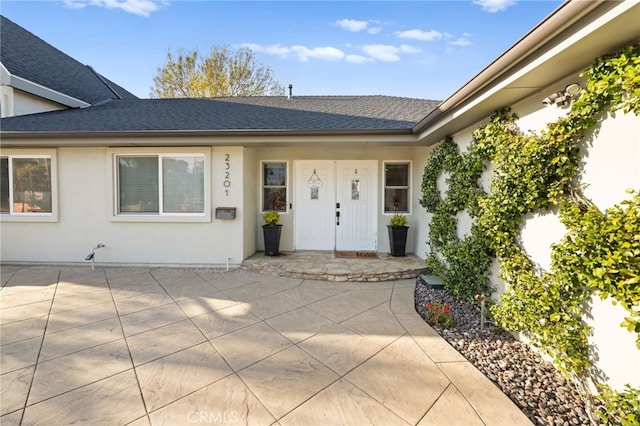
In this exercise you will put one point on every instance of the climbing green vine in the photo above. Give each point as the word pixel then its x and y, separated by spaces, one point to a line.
pixel 531 174
pixel 464 262
pixel 443 159
pixel 620 408
pixel 601 251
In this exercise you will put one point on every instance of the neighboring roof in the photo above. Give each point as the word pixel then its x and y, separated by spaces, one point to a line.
pixel 30 58
pixel 247 114
pixel 563 44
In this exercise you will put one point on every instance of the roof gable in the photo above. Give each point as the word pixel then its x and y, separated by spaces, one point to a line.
pixel 32 59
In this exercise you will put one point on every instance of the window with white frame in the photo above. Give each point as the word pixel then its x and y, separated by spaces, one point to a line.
pixel 26 185
pixel 274 186
pixel 163 184
pixel 396 187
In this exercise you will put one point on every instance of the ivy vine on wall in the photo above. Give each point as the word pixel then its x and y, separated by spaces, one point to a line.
pixel 533 173
pixel 462 263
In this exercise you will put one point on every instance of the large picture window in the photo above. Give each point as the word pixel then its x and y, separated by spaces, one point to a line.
pixel 274 186
pixel 25 185
pixel 171 184
pixel 396 187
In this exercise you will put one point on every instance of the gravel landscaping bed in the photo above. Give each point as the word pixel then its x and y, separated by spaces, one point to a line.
pixel 531 382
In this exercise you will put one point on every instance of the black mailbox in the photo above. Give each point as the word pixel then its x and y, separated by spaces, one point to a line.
pixel 225 213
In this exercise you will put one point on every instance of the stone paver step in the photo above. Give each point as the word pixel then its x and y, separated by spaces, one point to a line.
pixel 326 266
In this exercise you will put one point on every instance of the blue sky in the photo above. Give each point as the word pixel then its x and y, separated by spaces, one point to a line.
pixel 420 49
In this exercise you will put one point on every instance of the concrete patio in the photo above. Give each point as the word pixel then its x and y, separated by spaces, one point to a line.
pixel 167 346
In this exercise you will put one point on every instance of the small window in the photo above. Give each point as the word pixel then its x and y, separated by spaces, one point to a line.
pixel 274 187
pixel 396 188
pixel 25 185
pixel 161 184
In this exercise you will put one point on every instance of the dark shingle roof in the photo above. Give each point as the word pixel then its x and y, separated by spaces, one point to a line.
pixel 31 58
pixel 270 113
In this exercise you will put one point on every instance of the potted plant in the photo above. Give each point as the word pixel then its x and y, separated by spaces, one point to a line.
pixel 271 230
pixel 398 234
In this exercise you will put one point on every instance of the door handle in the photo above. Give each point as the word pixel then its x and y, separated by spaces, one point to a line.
pixel 337 218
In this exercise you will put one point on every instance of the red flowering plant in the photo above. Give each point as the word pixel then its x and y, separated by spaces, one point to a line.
pixel 439 314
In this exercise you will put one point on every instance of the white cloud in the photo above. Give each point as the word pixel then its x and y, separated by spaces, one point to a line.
pixel 370 52
pixel 274 49
pixel 352 25
pixel 137 7
pixel 253 46
pixel 278 50
pixel 324 53
pixel 357 59
pixel 74 4
pixel 420 35
pixel 304 53
pixel 493 6
pixel 382 52
pixel 405 48
pixel 357 26
pixel 460 42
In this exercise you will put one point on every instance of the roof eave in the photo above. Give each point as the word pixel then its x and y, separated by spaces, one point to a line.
pixel 161 137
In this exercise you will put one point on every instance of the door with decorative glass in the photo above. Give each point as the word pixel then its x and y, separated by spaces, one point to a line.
pixel 335 205
pixel 357 197
pixel 314 205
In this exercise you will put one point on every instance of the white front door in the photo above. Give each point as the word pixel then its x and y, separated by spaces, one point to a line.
pixel 357 197
pixel 324 188
pixel 314 206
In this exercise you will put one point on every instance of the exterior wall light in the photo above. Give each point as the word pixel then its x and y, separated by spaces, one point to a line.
pixel 551 99
pixel 573 90
pixel 563 97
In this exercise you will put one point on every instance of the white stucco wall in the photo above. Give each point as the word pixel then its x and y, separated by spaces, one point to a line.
pixel 613 163
pixel 250 191
pixel 613 346
pixel 610 165
pixel 85 203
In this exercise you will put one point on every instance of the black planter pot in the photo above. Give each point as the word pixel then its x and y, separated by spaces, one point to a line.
pixel 398 239
pixel 271 239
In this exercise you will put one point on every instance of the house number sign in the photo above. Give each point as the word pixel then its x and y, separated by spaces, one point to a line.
pixel 227 174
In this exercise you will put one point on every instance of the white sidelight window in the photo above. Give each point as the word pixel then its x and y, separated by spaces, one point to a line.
pixel 26 183
pixel 163 184
pixel 397 187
